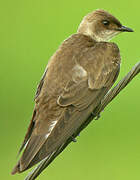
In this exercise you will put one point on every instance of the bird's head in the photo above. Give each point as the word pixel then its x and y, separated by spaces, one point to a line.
pixel 101 26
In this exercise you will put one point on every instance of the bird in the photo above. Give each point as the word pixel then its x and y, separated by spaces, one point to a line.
pixel 78 76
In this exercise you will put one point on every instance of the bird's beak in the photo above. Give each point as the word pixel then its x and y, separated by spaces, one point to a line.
pixel 125 29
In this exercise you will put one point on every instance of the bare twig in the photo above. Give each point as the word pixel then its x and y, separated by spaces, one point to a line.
pixel 107 99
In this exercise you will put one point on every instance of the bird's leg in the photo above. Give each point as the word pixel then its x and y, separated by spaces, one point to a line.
pixel 78 134
pixel 97 116
pixel 73 139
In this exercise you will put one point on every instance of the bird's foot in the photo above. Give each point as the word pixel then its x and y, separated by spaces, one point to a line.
pixel 97 116
pixel 73 139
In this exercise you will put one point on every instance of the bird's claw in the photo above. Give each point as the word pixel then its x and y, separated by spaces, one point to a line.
pixel 97 116
pixel 74 140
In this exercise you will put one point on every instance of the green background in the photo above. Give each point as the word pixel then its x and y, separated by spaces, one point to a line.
pixel 30 32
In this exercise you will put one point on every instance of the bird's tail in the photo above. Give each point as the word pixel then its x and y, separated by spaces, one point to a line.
pixel 45 162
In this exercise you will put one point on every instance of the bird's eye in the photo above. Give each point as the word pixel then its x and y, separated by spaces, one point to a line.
pixel 105 22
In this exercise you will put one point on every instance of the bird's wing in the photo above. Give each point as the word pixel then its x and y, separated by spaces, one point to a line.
pixel 79 91
pixel 40 84
pixel 82 94
pixel 102 71
pixel 76 102
pixel 32 123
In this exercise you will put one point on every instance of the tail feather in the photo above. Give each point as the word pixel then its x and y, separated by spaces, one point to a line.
pixel 45 162
pixel 29 132
pixel 42 165
pixel 16 169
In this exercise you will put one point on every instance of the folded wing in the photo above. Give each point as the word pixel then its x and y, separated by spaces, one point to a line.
pixel 56 118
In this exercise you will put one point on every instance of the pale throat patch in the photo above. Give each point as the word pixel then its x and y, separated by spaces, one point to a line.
pixel 105 35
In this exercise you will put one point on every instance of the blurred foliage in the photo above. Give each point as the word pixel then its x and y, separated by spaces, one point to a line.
pixel 30 32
